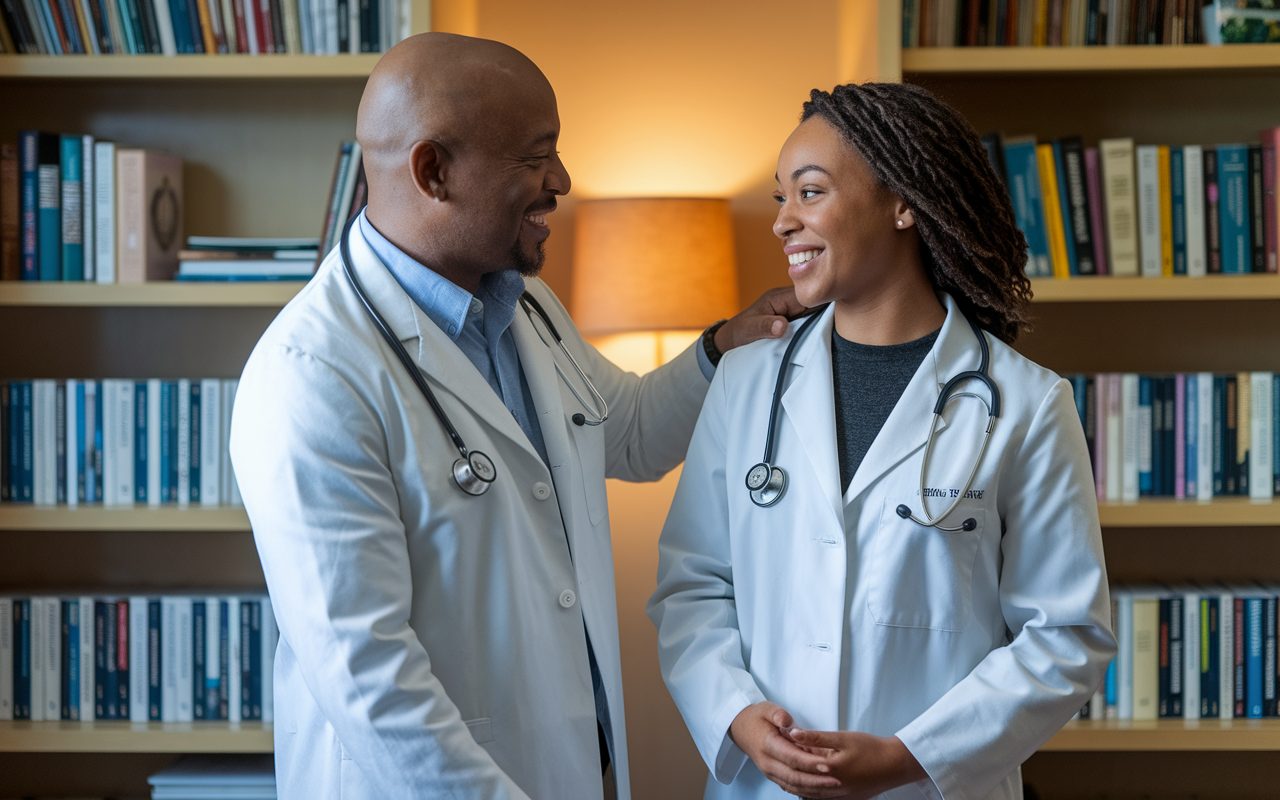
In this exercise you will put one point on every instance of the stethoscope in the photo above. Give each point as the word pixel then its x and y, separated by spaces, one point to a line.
pixel 767 482
pixel 474 471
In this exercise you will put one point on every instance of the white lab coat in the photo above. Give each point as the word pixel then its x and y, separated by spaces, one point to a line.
pixel 972 647
pixel 432 643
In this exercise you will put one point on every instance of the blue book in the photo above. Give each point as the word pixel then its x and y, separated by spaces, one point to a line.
pixel 45 15
pixel 140 442
pixel 26 445
pixel 1110 685
pixel 245 666
pixel 100 660
pixel 49 207
pixel 21 658
pixel 1191 434
pixel 193 463
pixel 1146 429
pixel 60 436
pixel 78 423
pixel 9 404
pixel 1219 427
pixel 1233 208
pixel 181 26
pixel 223 683
pixel 1079 387
pixel 154 648
pixel 29 146
pixel 251 650
pixel 6 489
pixel 1269 656
pixel 172 439
pixel 131 26
pixel 198 668
pixel 1253 637
pixel 97 445
pixel 70 659
pixel 1210 653
pixel 72 204
pixel 1064 203
pixel 111 675
pixel 1178 190
pixel 1028 205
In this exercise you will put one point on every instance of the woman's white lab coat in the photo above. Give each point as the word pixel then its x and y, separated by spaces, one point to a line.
pixel 972 647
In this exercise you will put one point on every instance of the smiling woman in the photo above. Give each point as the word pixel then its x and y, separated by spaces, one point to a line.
pixel 825 643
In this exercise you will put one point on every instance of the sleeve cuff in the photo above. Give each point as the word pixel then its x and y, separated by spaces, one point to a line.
pixel 704 363
pixel 935 765
pixel 729 761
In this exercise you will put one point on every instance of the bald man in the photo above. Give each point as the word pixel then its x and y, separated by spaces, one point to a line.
pixel 448 627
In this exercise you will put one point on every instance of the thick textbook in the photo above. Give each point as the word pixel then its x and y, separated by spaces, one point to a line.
pixel 149 208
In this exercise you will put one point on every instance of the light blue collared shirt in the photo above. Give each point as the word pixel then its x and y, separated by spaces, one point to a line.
pixel 480 325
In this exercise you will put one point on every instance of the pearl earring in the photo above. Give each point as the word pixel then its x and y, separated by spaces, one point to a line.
pixel 900 223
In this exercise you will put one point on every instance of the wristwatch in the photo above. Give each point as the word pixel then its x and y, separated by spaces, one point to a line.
pixel 709 343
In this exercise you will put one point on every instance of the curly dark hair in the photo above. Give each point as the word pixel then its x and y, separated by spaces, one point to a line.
pixel 924 151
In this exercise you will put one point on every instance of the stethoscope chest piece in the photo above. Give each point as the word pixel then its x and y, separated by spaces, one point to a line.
pixel 767 484
pixel 475 473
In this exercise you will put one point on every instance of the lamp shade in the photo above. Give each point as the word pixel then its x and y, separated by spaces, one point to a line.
pixel 653 264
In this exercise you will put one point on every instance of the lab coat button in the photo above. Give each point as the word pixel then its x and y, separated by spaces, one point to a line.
pixel 542 492
pixel 568 598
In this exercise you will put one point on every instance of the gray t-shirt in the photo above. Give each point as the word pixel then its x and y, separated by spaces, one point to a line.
pixel 868 380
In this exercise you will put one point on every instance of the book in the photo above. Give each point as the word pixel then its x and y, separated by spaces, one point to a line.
pixel 1148 190
pixel 1131 428
pixel 1257 212
pixel 72 210
pixel 10 214
pixel 1117 156
pixel 1145 664
pixel 1075 191
pixel 1147 408
pixel 1093 182
pixel 1261 434
pixel 138 649
pixel 1233 208
pixel 1212 212
pixel 1194 205
pixel 29 144
pixel 87 189
pixel 149 222
pixel 1054 219
pixel 6 658
pixel 1177 239
pixel 1024 189
pixel 104 212
pixel 1243 417
pixel 210 453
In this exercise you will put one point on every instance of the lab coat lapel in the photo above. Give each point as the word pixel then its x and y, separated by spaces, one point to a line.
pixel 537 361
pixel 907 428
pixel 442 362
pixel 809 403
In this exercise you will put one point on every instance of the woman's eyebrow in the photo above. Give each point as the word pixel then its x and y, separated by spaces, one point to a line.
pixel 806 168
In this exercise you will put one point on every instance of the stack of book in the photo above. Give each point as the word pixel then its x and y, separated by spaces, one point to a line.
pixel 348 193
pixel 222 776
pixel 1191 652
pixel 1191 435
pixel 76 209
pixel 117 442
pixel 1149 210
pixel 319 27
pixel 162 658
pixel 221 258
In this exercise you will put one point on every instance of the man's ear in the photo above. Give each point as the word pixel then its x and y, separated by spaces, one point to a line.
pixel 428 161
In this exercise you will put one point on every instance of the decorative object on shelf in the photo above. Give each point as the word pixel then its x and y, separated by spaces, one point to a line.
pixel 643 266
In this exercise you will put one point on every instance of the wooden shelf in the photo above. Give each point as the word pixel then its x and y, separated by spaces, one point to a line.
pixel 188 66
pixel 22 517
pixel 130 737
pixel 1151 58
pixel 1167 734
pixel 1109 289
pixel 1170 513
pixel 271 294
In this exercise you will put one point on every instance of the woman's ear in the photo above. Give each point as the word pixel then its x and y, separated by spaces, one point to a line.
pixel 903 218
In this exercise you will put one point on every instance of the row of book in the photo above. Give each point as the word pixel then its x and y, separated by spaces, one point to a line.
pixel 117 442
pixel 1149 210
pixel 348 192
pixel 226 258
pixel 1083 23
pixel 1189 436
pixel 1191 652
pixel 140 658
pixel 171 27
pixel 76 209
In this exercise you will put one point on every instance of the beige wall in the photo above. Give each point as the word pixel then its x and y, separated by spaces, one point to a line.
pixel 672 97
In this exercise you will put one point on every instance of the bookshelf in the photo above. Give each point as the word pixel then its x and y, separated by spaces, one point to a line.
pixel 258 135
pixel 1165 95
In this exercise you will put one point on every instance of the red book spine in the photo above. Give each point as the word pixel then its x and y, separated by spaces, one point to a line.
pixel 242 29
pixel 1238 659
pixel 266 38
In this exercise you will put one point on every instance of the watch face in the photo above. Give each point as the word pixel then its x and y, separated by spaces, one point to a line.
pixel 758 477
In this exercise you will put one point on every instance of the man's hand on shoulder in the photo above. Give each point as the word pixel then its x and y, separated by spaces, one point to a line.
pixel 766 318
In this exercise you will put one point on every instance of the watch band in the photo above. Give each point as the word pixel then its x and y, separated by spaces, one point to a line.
pixel 709 343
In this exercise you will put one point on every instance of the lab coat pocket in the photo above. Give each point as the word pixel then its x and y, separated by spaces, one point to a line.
pixel 590 444
pixel 922 577
pixel 481 729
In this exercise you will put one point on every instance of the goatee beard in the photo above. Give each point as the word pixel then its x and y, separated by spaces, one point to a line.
pixel 528 267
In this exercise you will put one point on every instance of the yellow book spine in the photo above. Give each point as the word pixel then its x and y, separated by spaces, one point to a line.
pixel 1244 438
pixel 1146 659
pixel 1166 212
pixel 1052 211
pixel 1040 31
pixel 206 27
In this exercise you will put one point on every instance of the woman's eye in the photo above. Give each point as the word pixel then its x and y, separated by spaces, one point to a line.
pixel 805 194
pixel 779 199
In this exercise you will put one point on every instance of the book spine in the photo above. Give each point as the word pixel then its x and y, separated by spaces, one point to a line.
pixel 1261 477
pixel 6 658
pixel 38 648
pixel 154 682
pixel 180 635
pixel 168 658
pixel 69 705
pixel 21 658
pixel 1275 431
pixel 60 443
pixel 247 665
pixel 1257 212
pixel 198 650
pixel 1233 208
pixel 1244 401
pixel 227 483
pixel 88 659
pixel 1269 657
pixel 49 204
pixel 123 660
pixel 1093 182
pixel 124 439
pixel 234 662
pixel 164 26
pixel 130 216
pixel 141 415
pixel 1119 189
pixel 1253 657
pixel 1146 665
pixel 73 461
pixel 8 460
pixel 1177 651
pixel 1178 210
pixel 154 436
pixel 1269 197
pixel 195 417
pixel 10 214
pixel 138 649
pixel 1145 426
pixel 1053 211
pixel 1212 211
pixel 72 167
pixel 29 142
pixel 1148 163
pixel 1179 437
pixel 210 442
pixel 1219 434
pixel 104 207
pixel 224 660
pixel 215 646
pixel 270 636
pixel 1193 171
pixel 1163 647
pixel 183 451
pixel 1077 195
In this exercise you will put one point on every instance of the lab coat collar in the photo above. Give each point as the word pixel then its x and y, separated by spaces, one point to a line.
pixel 437 355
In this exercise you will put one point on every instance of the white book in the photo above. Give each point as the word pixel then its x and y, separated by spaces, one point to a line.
pixel 88 668
pixel 1261 428
pixel 124 442
pixel 404 20
pixel 87 188
pixel 1226 654
pixel 229 26
pixel 251 27
pixel 1191 654
pixel 104 208
pixel 1193 169
pixel 230 489
pixel 110 400
pixel 1116 157
pixel 212 652
pixel 331 24
pixel 353 27
pixel 270 637
pixel 1115 438
pixel 139 662
pixel 71 462
pixel 233 659
pixel 153 442
pixel 184 443
pixel 1124 655
pixel 6 658
pixel 183 677
pixel 304 26
pixel 52 658
pixel 165 23
pixel 36 627
pixel 1144 413
pixel 1149 246
pixel 210 442
pixel 92 457
pixel 44 443
pixel 168 659
pixel 1204 450
pixel 1129 432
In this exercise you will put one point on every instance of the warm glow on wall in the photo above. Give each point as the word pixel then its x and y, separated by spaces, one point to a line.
pixel 646 351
